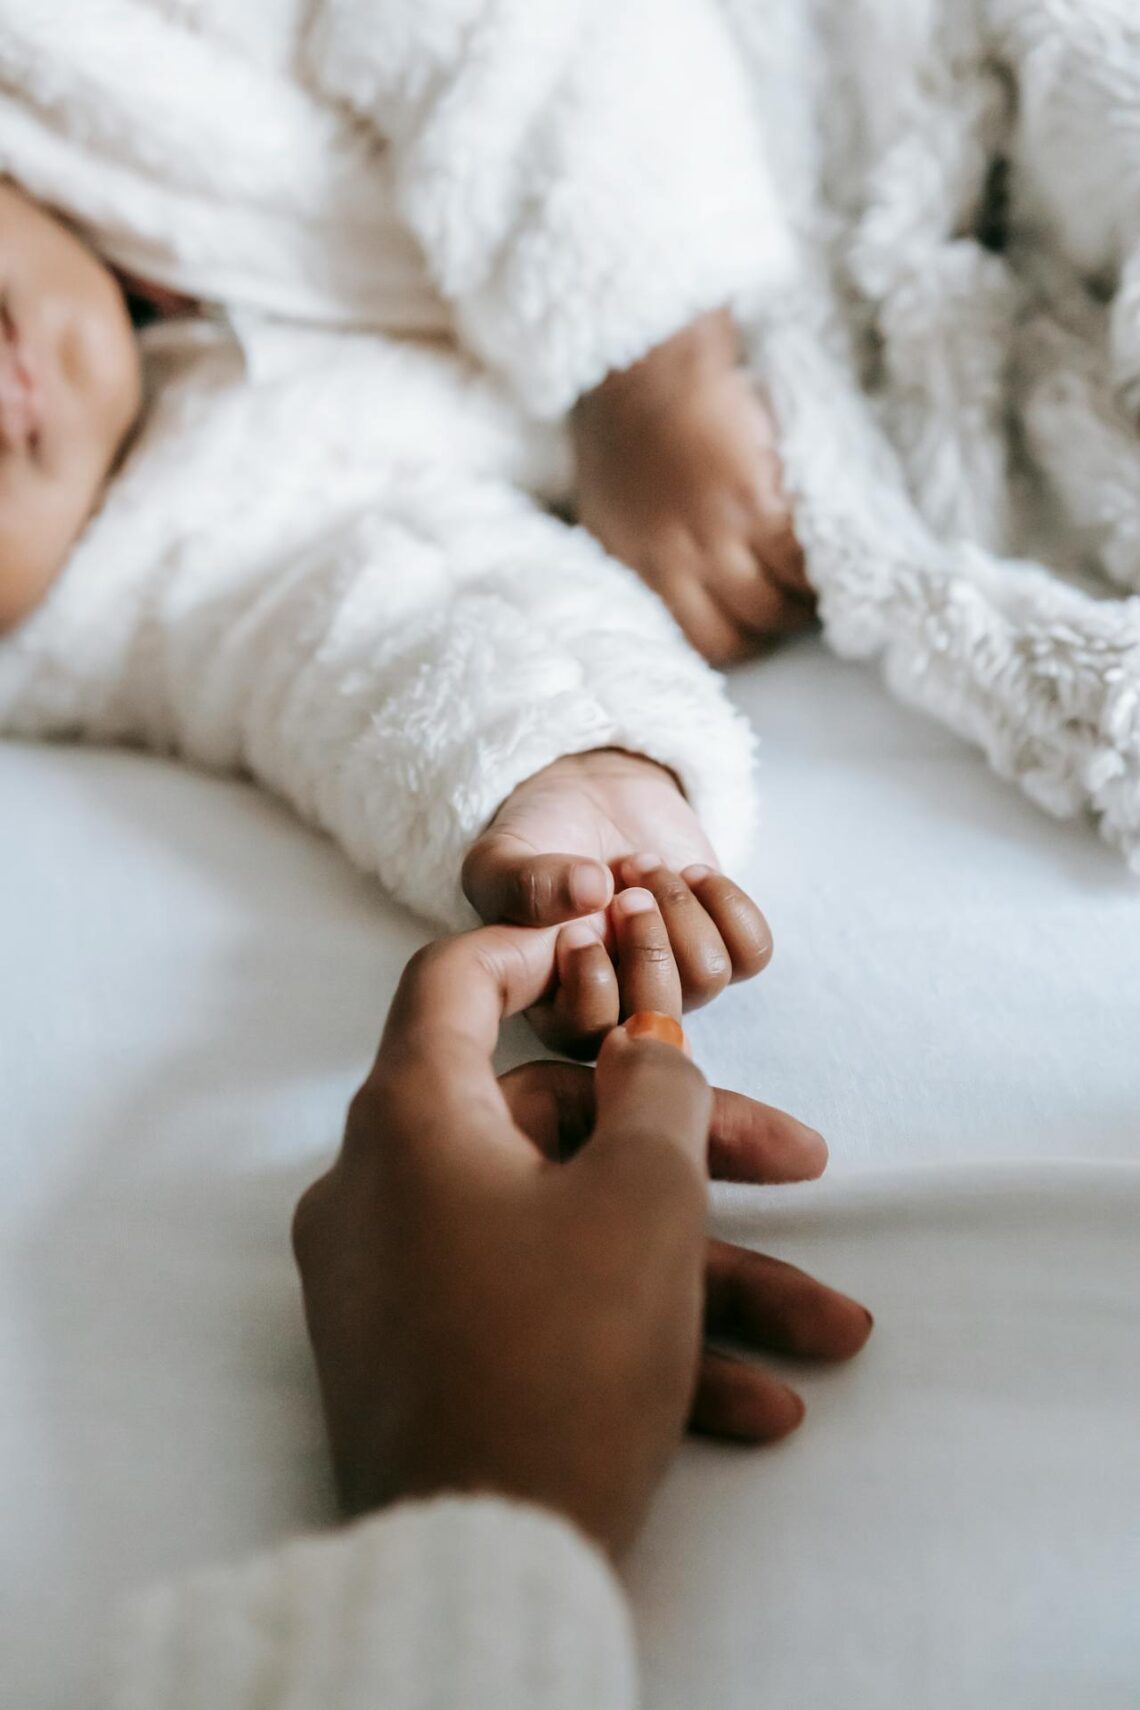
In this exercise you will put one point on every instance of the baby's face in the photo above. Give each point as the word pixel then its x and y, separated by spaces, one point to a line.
pixel 70 390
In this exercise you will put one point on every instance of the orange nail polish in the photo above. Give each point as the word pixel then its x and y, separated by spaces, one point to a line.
pixel 651 1024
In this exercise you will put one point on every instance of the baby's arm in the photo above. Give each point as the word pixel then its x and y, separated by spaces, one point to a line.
pixel 589 188
pixel 584 177
pixel 395 664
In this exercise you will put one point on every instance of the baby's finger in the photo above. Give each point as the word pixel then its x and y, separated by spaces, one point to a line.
pixel 703 962
pixel 771 610
pixel 586 1004
pixel 582 1006
pixel 742 1402
pixel 647 970
pixel 773 1306
pixel 506 881
pixel 712 632
pixel 753 597
pixel 780 554
pixel 746 934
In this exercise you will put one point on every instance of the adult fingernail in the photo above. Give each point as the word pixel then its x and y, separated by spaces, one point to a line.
pixel 579 935
pixel 589 886
pixel 694 874
pixel 634 902
pixel 640 866
pixel 651 1024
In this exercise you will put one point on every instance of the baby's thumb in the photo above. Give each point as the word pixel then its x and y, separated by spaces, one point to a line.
pixel 505 881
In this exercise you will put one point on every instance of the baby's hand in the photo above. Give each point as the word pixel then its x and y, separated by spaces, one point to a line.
pixel 679 476
pixel 575 833
pixel 675 939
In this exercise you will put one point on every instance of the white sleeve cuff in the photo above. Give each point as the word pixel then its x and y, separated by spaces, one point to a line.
pixel 553 649
pixel 468 1603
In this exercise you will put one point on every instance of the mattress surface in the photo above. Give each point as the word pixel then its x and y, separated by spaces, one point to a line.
pixel 191 986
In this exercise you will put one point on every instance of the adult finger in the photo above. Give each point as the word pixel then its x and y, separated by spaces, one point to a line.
pixel 553 1104
pixel 742 1402
pixel 751 1142
pixel 505 880
pixel 765 1303
pixel 434 1071
pixel 650 1098
pixel 464 987
pixel 703 961
pixel 647 969
pixel 746 934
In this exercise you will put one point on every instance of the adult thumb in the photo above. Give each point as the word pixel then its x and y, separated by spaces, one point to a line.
pixel 651 1101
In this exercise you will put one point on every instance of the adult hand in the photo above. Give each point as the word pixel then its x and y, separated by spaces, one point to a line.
pixel 494 1304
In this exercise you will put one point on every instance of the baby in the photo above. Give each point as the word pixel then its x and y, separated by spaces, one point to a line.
pixel 677 474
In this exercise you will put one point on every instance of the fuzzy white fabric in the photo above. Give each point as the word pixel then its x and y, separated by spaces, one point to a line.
pixel 945 409
pixel 324 561
pixel 585 177
pixel 473 1604
pixel 565 181
pixel 315 569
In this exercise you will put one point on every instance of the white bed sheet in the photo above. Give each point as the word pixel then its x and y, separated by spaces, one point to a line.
pixel 191 985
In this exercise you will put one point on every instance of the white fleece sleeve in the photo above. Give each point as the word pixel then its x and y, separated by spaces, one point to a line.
pixel 391 647
pixel 585 177
pixel 468 1603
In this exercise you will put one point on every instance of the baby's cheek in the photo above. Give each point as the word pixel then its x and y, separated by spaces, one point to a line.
pixel 40 522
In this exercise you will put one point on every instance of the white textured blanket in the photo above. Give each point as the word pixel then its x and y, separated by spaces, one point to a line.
pixel 957 366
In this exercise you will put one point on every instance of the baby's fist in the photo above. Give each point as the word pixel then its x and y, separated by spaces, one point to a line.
pixel 569 838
